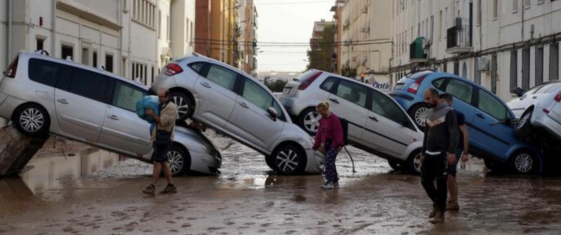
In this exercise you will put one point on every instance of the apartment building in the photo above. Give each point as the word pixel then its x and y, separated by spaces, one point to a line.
pixel 499 44
pixel 247 29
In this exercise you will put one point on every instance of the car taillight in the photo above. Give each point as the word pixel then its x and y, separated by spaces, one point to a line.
pixel 546 111
pixel 11 72
pixel 415 86
pixel 558 97
pixel 173 69
pixel 309 81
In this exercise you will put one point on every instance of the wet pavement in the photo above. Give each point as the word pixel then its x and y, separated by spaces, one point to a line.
pixel 248 199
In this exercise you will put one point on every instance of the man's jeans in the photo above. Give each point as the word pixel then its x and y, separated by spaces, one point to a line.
pixel 434 168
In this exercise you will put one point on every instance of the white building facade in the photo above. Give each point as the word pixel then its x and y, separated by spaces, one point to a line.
pixel 500 44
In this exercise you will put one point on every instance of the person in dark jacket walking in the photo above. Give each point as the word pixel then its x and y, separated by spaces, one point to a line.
pixel 440 142
pixel 329 141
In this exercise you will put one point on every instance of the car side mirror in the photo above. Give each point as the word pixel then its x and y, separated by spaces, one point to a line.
pixel 274 114
pixel 519 92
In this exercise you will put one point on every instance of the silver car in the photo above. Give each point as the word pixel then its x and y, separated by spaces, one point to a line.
pixel 43 95
pixel 236 104
pixel 377 124
pixel 539 110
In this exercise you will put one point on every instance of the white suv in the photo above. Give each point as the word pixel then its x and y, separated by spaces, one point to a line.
pixel 377 124
pixel 234 103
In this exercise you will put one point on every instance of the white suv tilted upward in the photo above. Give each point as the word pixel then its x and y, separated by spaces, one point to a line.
pixel 377 124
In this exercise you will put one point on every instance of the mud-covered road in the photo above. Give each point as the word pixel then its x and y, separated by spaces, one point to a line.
pixel 248 199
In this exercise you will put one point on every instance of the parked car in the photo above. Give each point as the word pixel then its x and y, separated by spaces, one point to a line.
pixel 43 95
pixel 236 104
pixel 490 122
pixel 377 124
pixel 539 111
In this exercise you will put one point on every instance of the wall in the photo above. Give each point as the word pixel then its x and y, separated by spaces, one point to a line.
pixel 203 27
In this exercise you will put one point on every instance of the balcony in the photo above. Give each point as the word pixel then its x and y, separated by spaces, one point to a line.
pixel 417 51
pixel 458 40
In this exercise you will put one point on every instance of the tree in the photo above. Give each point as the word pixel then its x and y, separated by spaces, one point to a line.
pixel 276 85
pixel 320 58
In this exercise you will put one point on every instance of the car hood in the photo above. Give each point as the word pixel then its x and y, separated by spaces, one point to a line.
pixel 194 140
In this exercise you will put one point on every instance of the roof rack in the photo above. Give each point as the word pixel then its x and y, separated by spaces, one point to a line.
pixel 417 71
pixel 42 52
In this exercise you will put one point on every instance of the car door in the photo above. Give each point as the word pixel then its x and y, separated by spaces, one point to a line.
pixel 489 133
pixel 216 95
pixel 250 120
pixel 348 101
pixel 81 102
pixel 388 127
pixel 123 131
pixel 463 93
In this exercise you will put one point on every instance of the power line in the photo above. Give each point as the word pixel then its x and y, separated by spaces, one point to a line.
pixel 291 3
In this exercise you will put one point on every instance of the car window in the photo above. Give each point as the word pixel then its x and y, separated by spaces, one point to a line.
pixel 385 107
pixel 549 88
pixel 222 76
pixel 197 67
pixel 89 84
pixel 461 90
pixel 327 85
pixel 438 83
pixel 42 71
pixel 352 92
pixel 257 95
pixel 125 96
pixel 491 105
pixel 533 90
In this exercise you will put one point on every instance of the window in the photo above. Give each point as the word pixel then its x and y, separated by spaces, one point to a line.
pixel 94 59
pixel 258 96
pixel 159 24
pixel 491 105
pixel 108 62
pixel 222 77
pixel 514 5
pixel 40 43
pixel 495 9
pixel 168 28
pixel 534 90
pixel 385 107
pixel 87 84
pixel 513 69
pixel 460 90
pixel 125 96
pixel 197 67
pixel 440 26
pixel 187 30
pixel 479 12
pixel 550 88
pixel 86 56
pixel 352 92
pixel 44 72
pixel 554 62
pixel 144 13
pixel 327 85
pixel 67 51
pixel 527 3
pixel 438 83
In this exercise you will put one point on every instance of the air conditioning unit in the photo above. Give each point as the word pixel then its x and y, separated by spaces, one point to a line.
pixel 483 64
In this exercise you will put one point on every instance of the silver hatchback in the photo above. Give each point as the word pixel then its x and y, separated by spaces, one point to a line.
pixel 43 95
pixel 377 124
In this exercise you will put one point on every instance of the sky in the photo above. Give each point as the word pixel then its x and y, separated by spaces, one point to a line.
pixel 287 21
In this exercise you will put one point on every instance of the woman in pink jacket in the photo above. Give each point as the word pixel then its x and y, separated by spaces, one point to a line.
pixel 329 141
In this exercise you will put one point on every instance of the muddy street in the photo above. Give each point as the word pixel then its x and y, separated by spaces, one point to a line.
pixel 53 198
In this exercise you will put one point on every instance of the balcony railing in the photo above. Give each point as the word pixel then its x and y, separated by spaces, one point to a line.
pixel 458 40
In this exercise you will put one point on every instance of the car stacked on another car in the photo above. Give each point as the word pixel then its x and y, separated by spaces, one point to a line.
pixel 377 124
pixel 490 122
pixel 234 103
pixel 43 95
pixel 539 111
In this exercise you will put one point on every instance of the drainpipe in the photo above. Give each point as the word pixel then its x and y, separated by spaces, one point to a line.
pixel 10 35
pixel 53 28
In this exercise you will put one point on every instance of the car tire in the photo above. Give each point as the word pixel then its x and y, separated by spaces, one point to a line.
pixel 179 160
pixel 523 163
pixel 524 127
pixel 32 120
pixel 414 163
pixel 289 159
pixel 494 166
pixel 419 114
pixel 309 121
pixel 270 162
pixel 185 106
pixel 396 165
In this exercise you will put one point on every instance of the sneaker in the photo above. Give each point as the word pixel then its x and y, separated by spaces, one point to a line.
pixel 433 212
pixel 336 185
pixel 150 190
pixel 327 185
pixel 169 189
pixel 438 218
pixel 452 206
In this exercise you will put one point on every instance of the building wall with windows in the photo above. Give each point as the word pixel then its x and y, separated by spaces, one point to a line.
pixel 183 27
pixel 499 44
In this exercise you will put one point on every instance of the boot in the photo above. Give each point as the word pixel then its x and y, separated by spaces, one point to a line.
pixel 433 212
pixel 438 218
pixel 453 205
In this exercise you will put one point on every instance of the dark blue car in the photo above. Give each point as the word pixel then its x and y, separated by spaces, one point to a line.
pixel 491 123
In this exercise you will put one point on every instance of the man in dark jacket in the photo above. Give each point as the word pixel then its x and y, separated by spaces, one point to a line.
pixel 440 143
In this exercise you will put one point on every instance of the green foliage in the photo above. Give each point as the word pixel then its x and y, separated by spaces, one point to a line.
pixel 275 85
pixel 321 58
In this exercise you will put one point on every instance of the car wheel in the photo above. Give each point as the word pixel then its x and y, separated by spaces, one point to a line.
pixel 289 160
pixel 419 114
pixel 179 160
pixel 32 120
pixel 414 163
pixel 524 127
pixel 395 165
pixel 523 162
pixel 270 162
pixel 185 106
pixel 493 166
pixel 309 121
